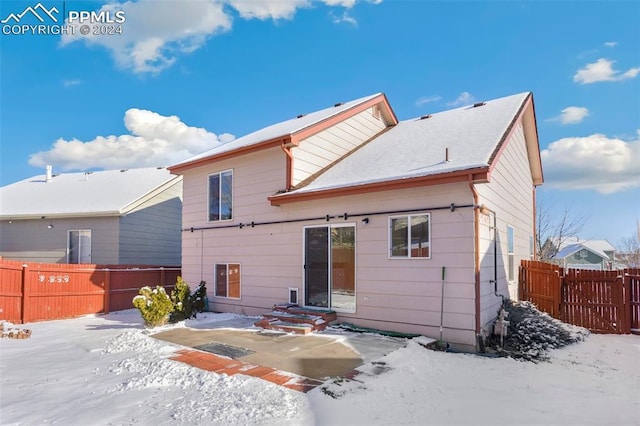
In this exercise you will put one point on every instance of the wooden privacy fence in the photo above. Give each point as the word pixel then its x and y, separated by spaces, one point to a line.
pixel 602 301
pixel 42 291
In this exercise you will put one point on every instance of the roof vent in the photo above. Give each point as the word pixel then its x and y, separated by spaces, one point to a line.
pixel 123 170
pixel 478 104
pixel 300 116
pixel 338 104
pixel 424 117
pixel 49 171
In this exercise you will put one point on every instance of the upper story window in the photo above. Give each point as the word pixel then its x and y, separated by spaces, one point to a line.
pixel 221 196
pixel 409 236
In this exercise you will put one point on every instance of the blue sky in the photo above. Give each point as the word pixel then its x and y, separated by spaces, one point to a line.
pixel 186 75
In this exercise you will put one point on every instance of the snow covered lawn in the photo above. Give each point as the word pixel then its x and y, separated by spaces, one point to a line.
pixel 107 370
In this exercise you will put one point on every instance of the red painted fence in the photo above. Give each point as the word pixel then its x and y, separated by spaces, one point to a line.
pixel 602 301
pixel 46 291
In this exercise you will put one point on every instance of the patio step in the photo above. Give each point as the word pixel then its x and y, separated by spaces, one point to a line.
pixel 296 319
pixel 327 314
pixel 287 327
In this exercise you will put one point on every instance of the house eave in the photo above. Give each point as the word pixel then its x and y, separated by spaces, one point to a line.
pixel 387 112
pixel 275 142
pixel 526 116
pixel 477 175
pixel 154 192
pixel 294 138
pixel 45 215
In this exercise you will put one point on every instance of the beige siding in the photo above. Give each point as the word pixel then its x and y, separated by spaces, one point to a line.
pixel 21 238
pixel 510 195
pixel 318 151
pixel 393 294
pixel 151 233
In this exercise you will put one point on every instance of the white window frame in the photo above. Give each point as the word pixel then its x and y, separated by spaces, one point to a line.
pixel 532 245
pixel 79 244
pixel 330 261
pixel 219 174
pixel 511 276
pixel 215 280
pixel 390 236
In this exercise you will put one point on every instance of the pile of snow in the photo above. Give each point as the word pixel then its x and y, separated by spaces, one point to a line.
pixel 532 333
pixel 109 370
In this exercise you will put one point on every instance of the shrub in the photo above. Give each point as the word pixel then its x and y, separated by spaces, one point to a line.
pixel 199 299
pixel 154 305
pixel 182 303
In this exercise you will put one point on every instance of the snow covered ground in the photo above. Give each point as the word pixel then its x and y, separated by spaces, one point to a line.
pixel 106 370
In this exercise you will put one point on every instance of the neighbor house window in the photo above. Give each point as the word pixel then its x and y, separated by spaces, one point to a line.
pixel 220 196
pixel 79 246
pixel 409 236
pixel 227 280
pixel 511 260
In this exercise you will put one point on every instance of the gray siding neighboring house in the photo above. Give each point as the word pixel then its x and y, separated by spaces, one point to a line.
pixel 103 217
pixel 586 254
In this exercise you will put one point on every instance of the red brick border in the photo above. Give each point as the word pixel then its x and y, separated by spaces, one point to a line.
pixel 211 362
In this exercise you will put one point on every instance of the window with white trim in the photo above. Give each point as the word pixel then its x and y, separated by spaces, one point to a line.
pixel 410 236
pixel 227 280
pixel 79 246
pixel 510 256
pixel 531 247
pixel 221 196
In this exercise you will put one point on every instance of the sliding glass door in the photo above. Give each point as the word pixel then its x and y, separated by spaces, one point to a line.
pixel 329 270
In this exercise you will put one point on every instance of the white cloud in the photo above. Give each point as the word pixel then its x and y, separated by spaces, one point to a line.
pixel 71 83
pixel 602 70
pixel 155 140
pixel 465 98
pixel 605 164
pixel 279 9
pixel 427 99
pixel 344 3
pixel 611 43
pixel 346 18
pixel 571 115
pixel 155 32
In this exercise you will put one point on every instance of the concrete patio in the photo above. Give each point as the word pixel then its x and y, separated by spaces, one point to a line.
pixel 320 356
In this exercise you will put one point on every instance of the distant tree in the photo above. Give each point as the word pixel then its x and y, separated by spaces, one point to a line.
pixel 628 254
pixel 554 225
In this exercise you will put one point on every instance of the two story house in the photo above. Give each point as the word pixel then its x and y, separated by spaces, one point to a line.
pixel 406 226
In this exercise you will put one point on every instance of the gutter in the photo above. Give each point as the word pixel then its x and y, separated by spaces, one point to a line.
pixel 476 231
pixel 39 216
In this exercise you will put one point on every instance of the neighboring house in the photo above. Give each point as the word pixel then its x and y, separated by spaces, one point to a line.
pixel 586 254
pixel 104 217
pixel 349 209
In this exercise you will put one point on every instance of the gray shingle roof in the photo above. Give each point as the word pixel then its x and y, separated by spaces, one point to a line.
pixel 416 147
pixel 97 193
pixel 282 129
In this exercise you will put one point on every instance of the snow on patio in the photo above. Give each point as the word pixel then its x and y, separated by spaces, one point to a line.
pixel 107 370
